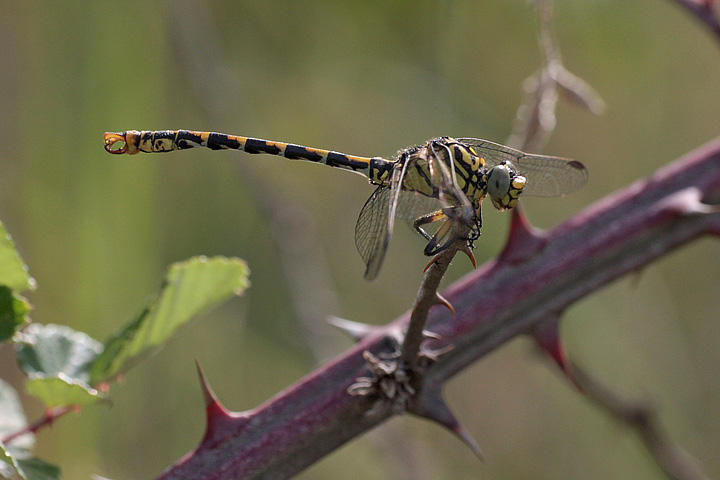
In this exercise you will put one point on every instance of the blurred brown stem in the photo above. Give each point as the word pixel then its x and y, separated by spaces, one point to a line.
pixel 642 418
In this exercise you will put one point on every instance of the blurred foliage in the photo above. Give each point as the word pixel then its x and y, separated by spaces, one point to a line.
pixel 363 78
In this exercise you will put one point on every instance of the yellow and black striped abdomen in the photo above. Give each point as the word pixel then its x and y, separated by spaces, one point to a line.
pixel 375 168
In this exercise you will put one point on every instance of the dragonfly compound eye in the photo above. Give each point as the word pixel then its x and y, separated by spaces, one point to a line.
pixel 498 182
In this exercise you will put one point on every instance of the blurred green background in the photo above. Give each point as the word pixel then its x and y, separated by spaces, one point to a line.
pixel 364 78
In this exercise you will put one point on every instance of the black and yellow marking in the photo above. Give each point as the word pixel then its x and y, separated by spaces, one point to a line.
pixel 375 168
pixel 461 173
pixel 464 161
pixel 468 166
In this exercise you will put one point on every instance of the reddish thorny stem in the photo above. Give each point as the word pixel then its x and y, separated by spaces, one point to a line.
pixel 535 278
pixel 51 414
pixel 706 12
pixel 676 219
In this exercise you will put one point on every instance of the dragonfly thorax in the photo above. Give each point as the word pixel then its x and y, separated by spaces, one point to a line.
pixel 471 172
pixel 423 172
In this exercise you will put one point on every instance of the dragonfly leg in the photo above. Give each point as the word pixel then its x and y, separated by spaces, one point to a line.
pixel 427 219
pixel 444 235
pixel 448 231
pixel 441 240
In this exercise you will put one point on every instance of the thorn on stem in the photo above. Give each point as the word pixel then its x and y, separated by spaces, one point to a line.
pixel 432 405
pixel 465 248
pixel 689 201
pixel 429 264
pixel 547 337
pixel 524 241
pixel 214 410
pixel 208 394
pixel 356 330
pixel 434 355
pixel 432 335
pixel 218 419
pixel 440 300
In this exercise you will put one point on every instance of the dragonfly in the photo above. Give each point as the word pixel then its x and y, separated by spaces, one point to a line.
pixel 438 187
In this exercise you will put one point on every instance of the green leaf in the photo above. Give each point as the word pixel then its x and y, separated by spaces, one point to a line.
pixel 35 469
pixel 13 312
pixel 48 350
pixel 13 271
pixel 190 289
pixel 25 466
pixel 4 455
pixel 57 390
pixel 57 360
pixel 7 469
pixel 12 418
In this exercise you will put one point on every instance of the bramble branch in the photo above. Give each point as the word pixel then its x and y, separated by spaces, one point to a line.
pixel 705 11
pixel 536 277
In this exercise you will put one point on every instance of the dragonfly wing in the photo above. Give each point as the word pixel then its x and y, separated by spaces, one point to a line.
pixel 412 205
pixel 546 176
pixel 371 231
pixel 376 222
pixel 551 176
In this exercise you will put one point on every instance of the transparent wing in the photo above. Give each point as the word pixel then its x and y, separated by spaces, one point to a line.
pixel 376 222
pixel 373 228
pixel 546 176
pixel 372 234
pixel 412 205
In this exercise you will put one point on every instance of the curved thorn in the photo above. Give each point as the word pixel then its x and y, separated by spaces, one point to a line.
pixel 468 440
pixel 435 354
pixel 689 202
pixel 523 242
pixel 635 277
pixel 214 410
pixel 433 335
pixel 208 394
pixel 356 330
pixel 440 300
pixel 433 407
pixel 547 337
pixel 429 264
pixel 465 248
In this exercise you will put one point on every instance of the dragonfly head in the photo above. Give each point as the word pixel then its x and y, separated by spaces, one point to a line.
pixel 504 185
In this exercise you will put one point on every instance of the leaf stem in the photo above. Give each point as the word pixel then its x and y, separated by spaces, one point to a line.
pixel 50 416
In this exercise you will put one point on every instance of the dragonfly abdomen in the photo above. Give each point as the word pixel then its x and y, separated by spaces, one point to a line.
pixel 375 168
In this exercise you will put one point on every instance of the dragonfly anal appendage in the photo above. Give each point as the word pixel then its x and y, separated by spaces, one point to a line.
pixel 111 139
pixel 129 138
